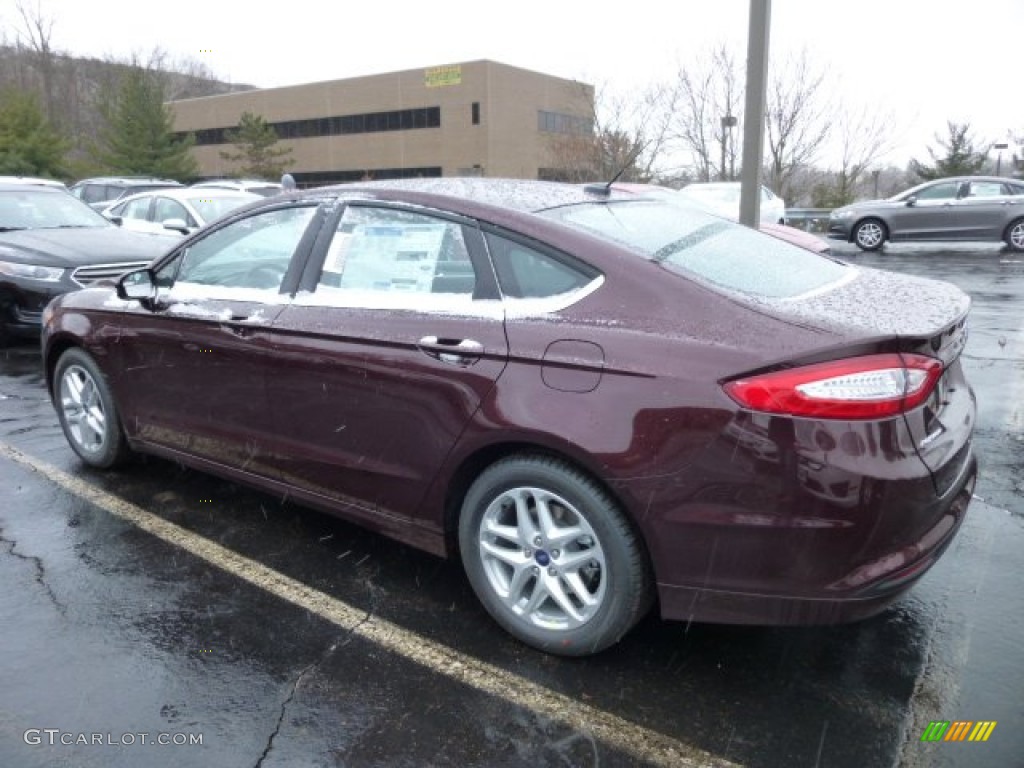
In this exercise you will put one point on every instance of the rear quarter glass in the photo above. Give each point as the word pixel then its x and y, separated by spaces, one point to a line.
pixel 725 254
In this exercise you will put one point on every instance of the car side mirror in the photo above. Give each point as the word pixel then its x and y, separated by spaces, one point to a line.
pixel 136 285
pixel 117 220
pixel 176 225
pixel 911 201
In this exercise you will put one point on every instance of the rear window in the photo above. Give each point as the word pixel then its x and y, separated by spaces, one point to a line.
pixel 711 249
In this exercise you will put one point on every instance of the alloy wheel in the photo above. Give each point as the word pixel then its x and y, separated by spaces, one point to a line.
pixel 83 409
pixel 542 558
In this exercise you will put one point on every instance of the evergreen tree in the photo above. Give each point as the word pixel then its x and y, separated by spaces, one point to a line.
pixel 29 146
pixel 960 158
pixel 256 143
pixel 138 138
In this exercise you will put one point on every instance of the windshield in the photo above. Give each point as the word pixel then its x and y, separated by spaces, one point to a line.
pixel 45 209
pixel 709 248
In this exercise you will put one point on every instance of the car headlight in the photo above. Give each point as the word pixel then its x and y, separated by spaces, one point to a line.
pixel 843 214
pixel 32 271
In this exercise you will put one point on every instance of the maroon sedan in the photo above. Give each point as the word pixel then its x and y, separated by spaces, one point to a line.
pixel 599 401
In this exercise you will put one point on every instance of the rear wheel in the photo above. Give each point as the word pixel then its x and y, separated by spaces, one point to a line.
pixel 551 556
pixel 85 407
pixel 1015 235
pixel 869 234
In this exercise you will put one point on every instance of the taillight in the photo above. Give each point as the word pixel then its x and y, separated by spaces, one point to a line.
pixel 867 387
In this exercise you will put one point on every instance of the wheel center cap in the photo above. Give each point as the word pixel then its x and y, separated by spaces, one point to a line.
pixel 541 557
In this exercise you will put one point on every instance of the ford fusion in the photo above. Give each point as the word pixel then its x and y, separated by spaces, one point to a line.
pixel 51 243
pixel 599 402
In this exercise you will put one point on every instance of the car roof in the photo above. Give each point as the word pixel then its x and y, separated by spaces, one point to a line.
pixel 1003 179
pixel 32 181
pixel 186 193
pixel 236 182
pixel 20 186
pixel 522 195
pixel 129 180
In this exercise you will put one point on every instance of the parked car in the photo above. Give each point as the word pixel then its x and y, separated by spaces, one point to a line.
pixel 102 191
pixel 783 231
pixel 175 211
pixel 51 243
pixel 553 384
pixel 723 198
pixel 974 208
pixel 255 186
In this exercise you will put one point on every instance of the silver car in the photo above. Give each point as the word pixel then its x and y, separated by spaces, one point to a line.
pixel 972 208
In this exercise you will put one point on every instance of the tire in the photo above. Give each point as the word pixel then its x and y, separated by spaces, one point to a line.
pixel 87 411
pixel 551 556
pixel 1015 235
pixel 869 234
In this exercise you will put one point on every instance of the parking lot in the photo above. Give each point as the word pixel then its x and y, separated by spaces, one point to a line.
pixel 158 616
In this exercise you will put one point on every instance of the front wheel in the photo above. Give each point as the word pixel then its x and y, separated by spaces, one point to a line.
pixel 551 557
pixel 869 235
pixel 1015 235
pixel 85 407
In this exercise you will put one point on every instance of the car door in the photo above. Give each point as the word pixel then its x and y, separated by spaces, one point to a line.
pixel 984 209
pixel 385 360
pixel 194 361
pixel 931 214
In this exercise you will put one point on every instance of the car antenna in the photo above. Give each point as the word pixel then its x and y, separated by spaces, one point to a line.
pixel 606 189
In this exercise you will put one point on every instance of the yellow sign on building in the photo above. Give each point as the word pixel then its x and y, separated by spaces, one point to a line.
pixel 436 77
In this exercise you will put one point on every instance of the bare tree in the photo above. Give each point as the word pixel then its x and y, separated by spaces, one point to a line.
pixel 34 37
pixel 621 134
pixel 706 106
pixel 862 139
pixel 797 122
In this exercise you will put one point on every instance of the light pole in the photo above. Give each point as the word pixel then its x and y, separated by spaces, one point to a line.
pixel 999 157
pixel 728 123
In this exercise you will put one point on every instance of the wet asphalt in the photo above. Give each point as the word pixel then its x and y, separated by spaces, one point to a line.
pixel 157 604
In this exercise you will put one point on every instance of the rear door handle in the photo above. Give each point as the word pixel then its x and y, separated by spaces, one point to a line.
pixel 463 352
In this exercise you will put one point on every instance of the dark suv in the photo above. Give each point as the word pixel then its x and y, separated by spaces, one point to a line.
pixel 102 191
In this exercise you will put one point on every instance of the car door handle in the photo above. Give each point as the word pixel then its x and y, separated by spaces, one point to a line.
pixel 464 352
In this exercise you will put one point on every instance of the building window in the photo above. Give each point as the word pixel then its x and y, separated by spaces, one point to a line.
pixel 557 122
pixel 476 113
pixel 320 178
pixel 339 125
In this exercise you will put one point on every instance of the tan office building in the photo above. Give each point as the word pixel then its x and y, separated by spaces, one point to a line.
pixel 474 118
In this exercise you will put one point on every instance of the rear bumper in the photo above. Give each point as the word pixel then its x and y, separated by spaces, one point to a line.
pixel 863 591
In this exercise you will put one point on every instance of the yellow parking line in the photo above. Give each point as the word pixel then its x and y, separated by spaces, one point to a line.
pixel 616 732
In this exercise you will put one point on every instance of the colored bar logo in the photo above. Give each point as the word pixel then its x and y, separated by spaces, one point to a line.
pixel 958 730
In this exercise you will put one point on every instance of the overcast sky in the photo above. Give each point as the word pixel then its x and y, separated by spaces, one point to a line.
pixel 922 62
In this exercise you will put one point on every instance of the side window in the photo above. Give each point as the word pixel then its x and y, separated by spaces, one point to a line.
pixel 95 193
pixel 525 273
pixel 134 209
pixel 944 191
pixel 164 208
pixel 378 253
pixel 254 252
pixel 986 189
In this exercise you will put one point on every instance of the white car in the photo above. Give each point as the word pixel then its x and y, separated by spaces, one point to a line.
pixel 256 186
pixel 176 211
pixel 723 199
